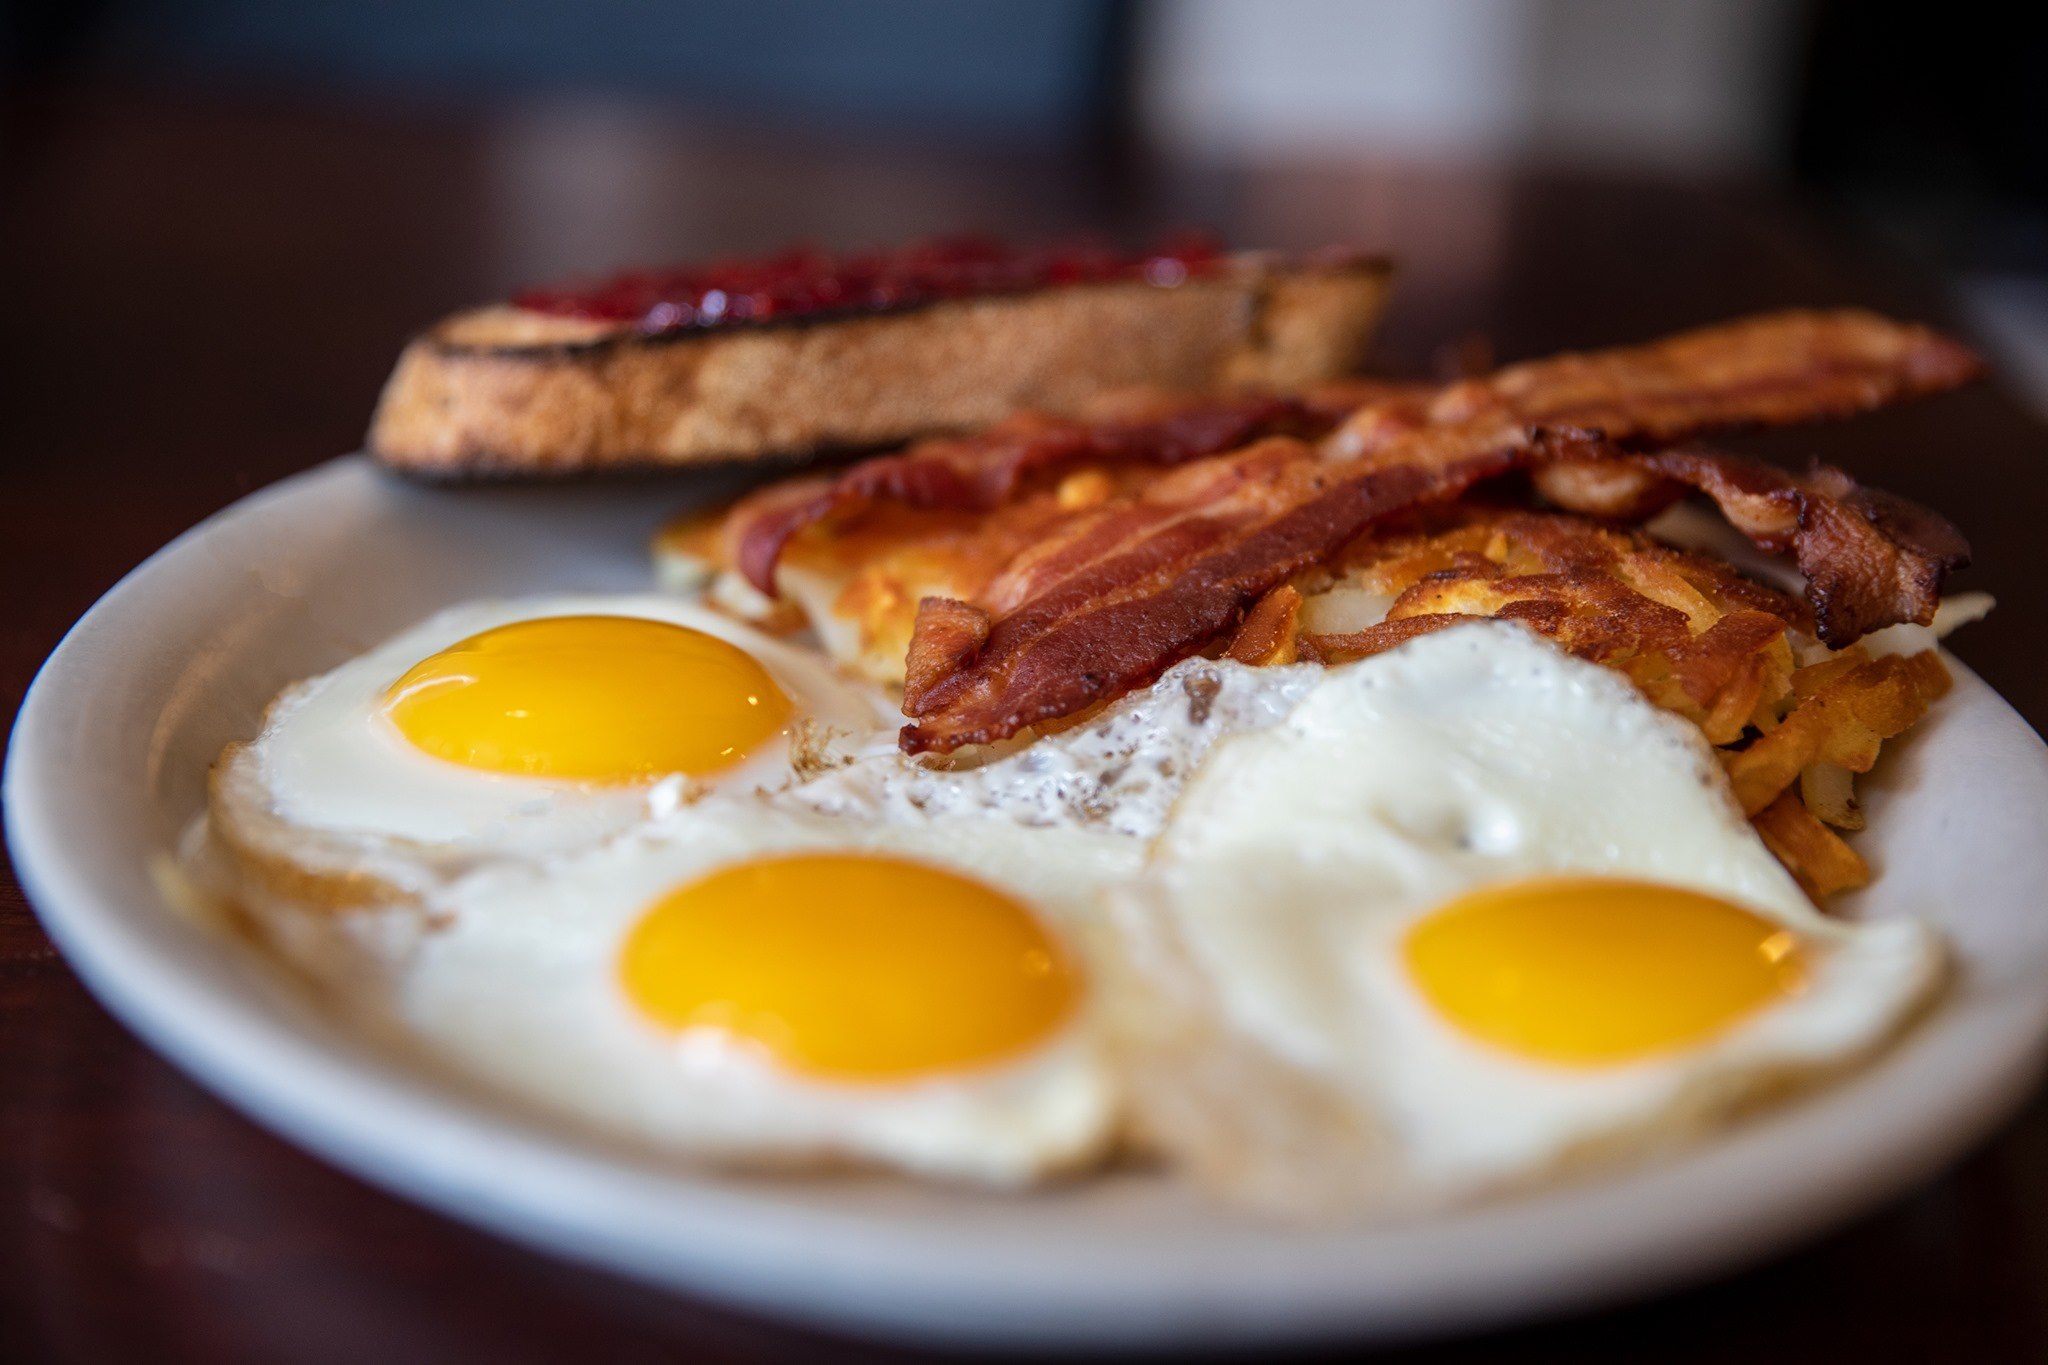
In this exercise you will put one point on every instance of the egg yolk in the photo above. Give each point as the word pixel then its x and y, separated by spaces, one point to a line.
pixel 852 967
pixel 589 699
pixel 1592 971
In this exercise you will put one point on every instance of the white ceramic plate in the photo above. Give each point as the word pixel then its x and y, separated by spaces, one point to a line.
pixel 107 765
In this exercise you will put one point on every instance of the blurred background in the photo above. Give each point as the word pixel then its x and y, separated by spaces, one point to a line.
pixel 220 219
pixel 622 131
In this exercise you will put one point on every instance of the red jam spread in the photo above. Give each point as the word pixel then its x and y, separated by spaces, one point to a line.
pixel 805 282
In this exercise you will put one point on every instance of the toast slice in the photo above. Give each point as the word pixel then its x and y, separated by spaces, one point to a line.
pixel 512 391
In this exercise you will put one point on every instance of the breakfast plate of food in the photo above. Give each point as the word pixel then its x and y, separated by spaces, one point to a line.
pixel 1074 817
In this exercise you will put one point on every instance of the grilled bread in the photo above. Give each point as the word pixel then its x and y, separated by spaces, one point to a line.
pixel 513 391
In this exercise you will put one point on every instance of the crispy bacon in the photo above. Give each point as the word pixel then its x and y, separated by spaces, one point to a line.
pixel 1774 369
pixel 1136 585
pixel 1140 585
pixel 1267 635
pixel 949 633
pixel 1870 558
pixel 983 471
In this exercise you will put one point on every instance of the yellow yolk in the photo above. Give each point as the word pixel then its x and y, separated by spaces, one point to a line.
pixel 589 699
pixel 851 966
pixel 1590 971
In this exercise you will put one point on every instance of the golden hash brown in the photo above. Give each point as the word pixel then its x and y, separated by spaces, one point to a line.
pixel 1697 637
pixel 1820 858
pixel 1847 706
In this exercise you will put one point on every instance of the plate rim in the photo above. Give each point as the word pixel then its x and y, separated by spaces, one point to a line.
pixel 758 1248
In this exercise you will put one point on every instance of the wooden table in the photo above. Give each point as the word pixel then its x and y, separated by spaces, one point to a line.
pixel 201 297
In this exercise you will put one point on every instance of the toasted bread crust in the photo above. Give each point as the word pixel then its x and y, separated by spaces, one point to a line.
pixel 502 391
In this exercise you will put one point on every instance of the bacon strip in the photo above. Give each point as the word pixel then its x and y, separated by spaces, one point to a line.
pixel 983 471
pixel 1138 585
pixel 1871 558
pixel 950 633
pixel 1132 590
pixel 1266 636
pixel 1774 369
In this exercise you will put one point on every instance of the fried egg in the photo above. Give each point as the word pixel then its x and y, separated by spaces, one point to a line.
pixel 1472 911
pixel 1387 935
pixel 740 983
pixel 522 729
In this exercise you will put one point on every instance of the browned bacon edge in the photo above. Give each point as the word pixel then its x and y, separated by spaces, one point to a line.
pixel 1773 369
pixel 1065 632
pixel 982 471
pixel 1161 580
pixel 1871 558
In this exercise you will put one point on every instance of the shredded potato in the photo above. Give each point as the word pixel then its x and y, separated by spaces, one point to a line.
pixel 1829 791
pixel 1813 853
pixel 1344 608
pixel 1842 719
pixel 1692 633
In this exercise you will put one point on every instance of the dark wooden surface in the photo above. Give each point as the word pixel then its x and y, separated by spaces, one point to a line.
pixel 198 297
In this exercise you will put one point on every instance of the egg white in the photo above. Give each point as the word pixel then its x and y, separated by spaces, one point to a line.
pixel 330 762
pixel 1119 772
pixel 1268 927
pixel 518 988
